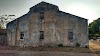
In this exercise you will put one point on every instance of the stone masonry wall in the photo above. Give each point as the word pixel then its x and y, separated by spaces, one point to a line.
pixel 55 26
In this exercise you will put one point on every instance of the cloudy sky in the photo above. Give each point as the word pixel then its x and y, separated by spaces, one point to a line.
pixel 89 9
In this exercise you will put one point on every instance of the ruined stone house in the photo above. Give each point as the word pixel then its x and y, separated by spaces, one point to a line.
pixel 46 25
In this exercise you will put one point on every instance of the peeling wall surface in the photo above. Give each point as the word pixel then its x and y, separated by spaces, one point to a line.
pixel 46 25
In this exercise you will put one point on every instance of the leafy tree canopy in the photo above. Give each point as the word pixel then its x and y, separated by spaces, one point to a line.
pixel 4 19
pixel 94 28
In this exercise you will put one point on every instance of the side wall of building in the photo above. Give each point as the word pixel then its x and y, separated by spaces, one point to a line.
pixel 11 31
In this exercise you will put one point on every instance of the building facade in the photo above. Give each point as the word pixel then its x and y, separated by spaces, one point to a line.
pixel 46 25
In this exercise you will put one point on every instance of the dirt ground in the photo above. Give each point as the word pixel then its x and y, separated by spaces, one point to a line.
pixel 93 50
pixel 42 53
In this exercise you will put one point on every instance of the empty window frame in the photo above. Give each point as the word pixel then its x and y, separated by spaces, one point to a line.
pixel 41 16
pixel 41 34
pixel 70 34
pixel 21 35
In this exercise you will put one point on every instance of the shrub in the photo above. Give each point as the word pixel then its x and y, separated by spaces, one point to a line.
pixel 60 45
pixel 77 45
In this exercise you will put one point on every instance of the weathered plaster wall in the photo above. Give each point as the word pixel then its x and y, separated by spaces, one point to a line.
pixel 55 25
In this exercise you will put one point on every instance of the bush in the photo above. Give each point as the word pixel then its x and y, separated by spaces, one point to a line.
pixel 77 45
pixel 60 45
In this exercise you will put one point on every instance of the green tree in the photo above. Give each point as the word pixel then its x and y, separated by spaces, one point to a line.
pixel 4 19
pixel 94 28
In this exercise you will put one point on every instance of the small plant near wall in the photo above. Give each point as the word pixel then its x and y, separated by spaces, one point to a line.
pixel 77 45
pixel 60 45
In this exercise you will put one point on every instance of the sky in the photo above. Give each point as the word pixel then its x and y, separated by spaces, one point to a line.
pixel 89 9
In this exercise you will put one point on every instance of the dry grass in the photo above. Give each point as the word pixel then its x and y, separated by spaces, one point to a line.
pixel 58 49
pixel 94 46
pixel 50 51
